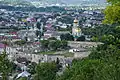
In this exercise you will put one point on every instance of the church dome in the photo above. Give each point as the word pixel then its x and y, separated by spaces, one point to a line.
pixel 77 30
pixel 75 21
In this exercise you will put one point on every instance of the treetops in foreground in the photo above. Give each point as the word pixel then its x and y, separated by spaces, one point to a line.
pixel 102 63
pixel 112 12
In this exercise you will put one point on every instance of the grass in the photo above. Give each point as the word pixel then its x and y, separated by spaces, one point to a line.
pixel 48 52
pixel 68 54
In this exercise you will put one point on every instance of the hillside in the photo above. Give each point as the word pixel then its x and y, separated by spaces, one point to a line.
pixel 50 2
pixel 15 2
pixel 70 1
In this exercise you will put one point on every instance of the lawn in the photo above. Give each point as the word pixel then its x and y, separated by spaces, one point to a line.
pixel 68 54
pixel 48 52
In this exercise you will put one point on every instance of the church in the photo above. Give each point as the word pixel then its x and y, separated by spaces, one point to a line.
pixel 76 31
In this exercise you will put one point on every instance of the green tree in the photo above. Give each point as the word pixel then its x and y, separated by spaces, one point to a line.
pixel 102 64
pixel 55 45
pixel 5 66
pixel 112 12
pixel 46 71
pixel 44 44
pixel 81 38
pixel 83 70
pixel 94 39
pixel 32 68
pixel 58 45
pixel 5 42
pixel 21 42
pixel 64 44
pixel 67 37
pixel 24 78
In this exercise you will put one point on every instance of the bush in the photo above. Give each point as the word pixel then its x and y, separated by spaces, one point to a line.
pixel 82 38
pixel 22 42
pixel 67 37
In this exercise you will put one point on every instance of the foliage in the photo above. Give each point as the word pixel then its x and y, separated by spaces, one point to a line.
pixel 54 44
pixel 24 78
pixel 92 69
pixel 44 43
pixel 68 54
pixel 64 44
pixel 81 38
pixel 112 12
pixel 82 70
pixel 46 71
pixel 102 64
pixel 113 38
pixel 5 66
pixel 113 1
pixel 5 42
pixel 104 52
pixel 67 37
pixel 95 39
pixel 97 32
pixel 32 68
pixel 48 52
pixel 21 42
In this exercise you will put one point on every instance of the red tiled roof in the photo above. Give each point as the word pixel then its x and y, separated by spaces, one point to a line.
pixel 13 33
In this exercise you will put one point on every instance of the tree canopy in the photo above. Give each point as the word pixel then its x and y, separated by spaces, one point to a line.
pixel 5 66
pixel 46 71
pixel 112 12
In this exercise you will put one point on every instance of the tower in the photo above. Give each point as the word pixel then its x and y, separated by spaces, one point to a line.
pixel 76 31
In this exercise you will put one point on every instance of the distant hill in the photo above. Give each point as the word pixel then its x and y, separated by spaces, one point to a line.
pixel 15 2
pixel 49 2
pixel 70 1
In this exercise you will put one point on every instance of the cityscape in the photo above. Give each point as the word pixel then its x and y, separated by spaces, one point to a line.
pixel 59 39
